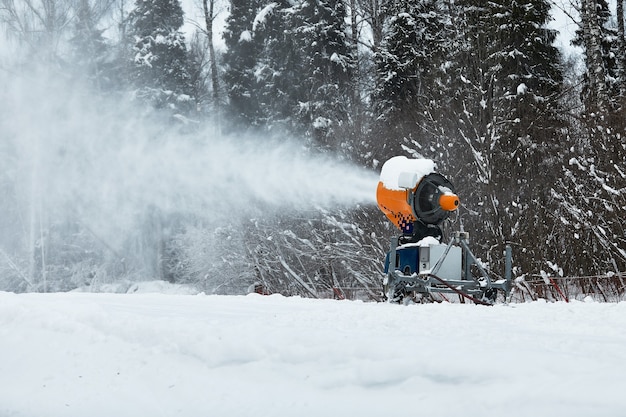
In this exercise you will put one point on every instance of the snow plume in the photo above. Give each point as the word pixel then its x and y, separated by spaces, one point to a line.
pixel 69 154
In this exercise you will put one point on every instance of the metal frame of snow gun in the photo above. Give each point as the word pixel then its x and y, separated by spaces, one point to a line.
pixel 480 289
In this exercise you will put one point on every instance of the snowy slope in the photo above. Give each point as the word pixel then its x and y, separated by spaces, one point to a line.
pixel 81 354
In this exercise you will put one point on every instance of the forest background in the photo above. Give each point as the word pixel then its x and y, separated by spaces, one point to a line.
pixel 532 140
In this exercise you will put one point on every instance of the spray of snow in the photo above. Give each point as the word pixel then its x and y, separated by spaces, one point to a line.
pixel 100 162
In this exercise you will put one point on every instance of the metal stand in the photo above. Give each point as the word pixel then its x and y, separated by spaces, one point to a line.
pixel 480 289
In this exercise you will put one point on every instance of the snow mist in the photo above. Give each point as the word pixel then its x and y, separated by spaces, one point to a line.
pixel 72 155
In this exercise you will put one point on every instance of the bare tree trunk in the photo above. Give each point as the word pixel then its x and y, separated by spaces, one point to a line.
pixel 621 59
pixel 42 248
pixel 592 36
pixel 373 15
pixel 122 22
pixel 36 231
pixel 357 83
pixel 32 241
pixel 208 6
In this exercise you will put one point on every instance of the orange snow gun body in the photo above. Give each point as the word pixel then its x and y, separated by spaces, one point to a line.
pixel 408 197
pixel 395 205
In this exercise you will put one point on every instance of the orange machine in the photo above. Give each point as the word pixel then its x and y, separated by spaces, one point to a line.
pixel 430 201
pixel 417 200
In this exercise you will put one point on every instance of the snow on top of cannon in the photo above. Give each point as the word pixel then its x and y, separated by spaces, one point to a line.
pixel 398 165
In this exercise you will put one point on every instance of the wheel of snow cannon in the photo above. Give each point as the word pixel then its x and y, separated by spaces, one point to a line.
pixel 395 291
pixel 490 295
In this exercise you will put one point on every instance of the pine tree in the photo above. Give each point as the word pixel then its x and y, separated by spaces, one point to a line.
pixel 326 65
pixel 288 68
pixel 89 50
pixel 510 121
pixel 160 67
pixel 411 75
pixel 240 60
pixel 276 71
pixel 528 146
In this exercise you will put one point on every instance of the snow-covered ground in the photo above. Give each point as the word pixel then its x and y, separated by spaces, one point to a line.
pixel 85 354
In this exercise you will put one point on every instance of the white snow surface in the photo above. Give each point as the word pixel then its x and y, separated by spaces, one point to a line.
pixel 398 165
pixel 425 242
pixel 87 354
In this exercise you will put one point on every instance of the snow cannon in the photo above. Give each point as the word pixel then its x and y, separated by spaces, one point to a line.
pixel 413 197
pixel 418 265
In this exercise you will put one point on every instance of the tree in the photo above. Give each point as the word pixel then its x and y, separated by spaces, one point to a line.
pixel 240 60
pixel 604 81
pixel 592 190
pixel 590 200
pixel 326 67
pixel 89 49
pixel 208 7
pixel 621 52
pixel 288 68
pixel 204 72
pixel 319 256
pixel 372 13
pixel 411 75
pixel 599 47
pixel 39 24
pixel 276 70
pixel 510 123
pixel 160 66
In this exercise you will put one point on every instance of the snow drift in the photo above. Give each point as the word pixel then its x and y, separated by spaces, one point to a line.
pixel 78 354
